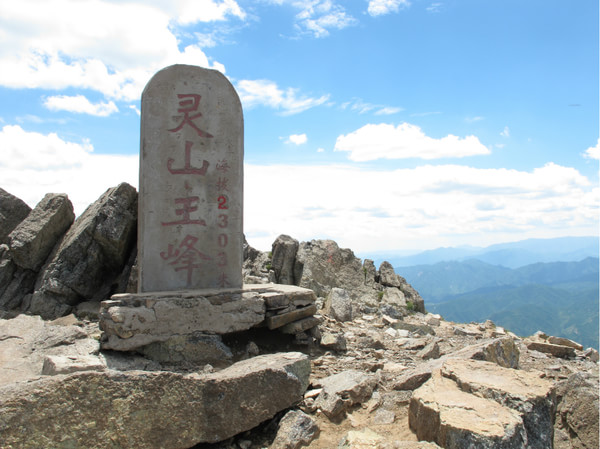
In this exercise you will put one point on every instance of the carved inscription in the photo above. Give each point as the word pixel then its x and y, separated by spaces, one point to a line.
pixel 191 182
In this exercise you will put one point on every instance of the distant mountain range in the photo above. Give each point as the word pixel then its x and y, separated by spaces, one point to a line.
pixel 525 286
pixel 559 298
pixel 510 255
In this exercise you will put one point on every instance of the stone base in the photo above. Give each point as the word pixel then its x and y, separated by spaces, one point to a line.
pixel 133 321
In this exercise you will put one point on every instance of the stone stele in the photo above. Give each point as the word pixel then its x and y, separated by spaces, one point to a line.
pixel 191 182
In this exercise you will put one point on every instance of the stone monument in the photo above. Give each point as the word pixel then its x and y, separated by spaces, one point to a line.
pixel 191 182
pixel 190 235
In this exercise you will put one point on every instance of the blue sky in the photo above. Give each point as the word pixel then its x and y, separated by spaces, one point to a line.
pixel 383 124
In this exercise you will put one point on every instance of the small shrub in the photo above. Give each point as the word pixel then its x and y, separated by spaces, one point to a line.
pixel 410 306
pixel 380 295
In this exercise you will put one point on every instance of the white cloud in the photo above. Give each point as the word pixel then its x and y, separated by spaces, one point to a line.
pixel 385 141
pixel 358 105
pixel 318 17
pixel 423 207
pixel 383 7
pixel 109 47
pixel 593 152
pixel 34 164
pixel 266 93
pixel 297 139
pixel 363 209
pixel 435 8
pixel 474 119
pixel 505 132
pixel 80 105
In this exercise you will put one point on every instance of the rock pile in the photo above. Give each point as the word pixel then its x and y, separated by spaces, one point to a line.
pixel 360 366
pixel 321 265
pixel 49 263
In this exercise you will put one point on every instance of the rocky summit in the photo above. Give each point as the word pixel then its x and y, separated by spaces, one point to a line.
pixel 318 350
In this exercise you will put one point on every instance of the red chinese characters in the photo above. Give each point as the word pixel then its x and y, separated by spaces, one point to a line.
pixel 188 104
pixel 185 256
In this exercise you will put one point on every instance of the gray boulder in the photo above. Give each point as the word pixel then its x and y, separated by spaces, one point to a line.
pixel 90 256
pixel 296 429
pixel 12 212
pixel 32 240
pixel 338 305
pixel 343 390
pixel 151 409
pixel 387 276
pixel 577 411
pixel 284 251
pixel 321 265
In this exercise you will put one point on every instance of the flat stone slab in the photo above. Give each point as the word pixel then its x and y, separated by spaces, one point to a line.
pixel 150 409
pixel 131 321
pixel 470 403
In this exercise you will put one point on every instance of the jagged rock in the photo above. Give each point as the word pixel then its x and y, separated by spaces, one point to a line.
pixel 431 351
pixel 338 305
pixel 370 272
pixel 321 265
pixel 532 397
pixel 387 276
pixel 32 240
pixel 150 409
pixel 90 256
pixel 577 411
pixel 591 354
pixel 335 342
pixel 296 429
pixel 26 341
pixel 565 342
pixel 549 348
pixel 341 391
pixel 440 411
pixel 194 348
pixel 12 211
pixel 284 251
pixel 501 351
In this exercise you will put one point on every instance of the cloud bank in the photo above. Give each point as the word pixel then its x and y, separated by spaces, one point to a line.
pixel 386 141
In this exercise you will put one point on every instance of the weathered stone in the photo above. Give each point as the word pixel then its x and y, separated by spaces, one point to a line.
pixel 387 276
pixel 26 341
pixel 441 412
pixel 150 409
pixel 130 321
pixel 296 429
pixel 577 410
pixel 33 239
pixel 192 348
pixel 336 342
pixel 338 305
pixel 341 391
pixel 361 439
pixel 90 256
pixel 565 342
pixel 284 251
pixel 525 392
pixel 191 182
pixel 63 364
pixel 501 351
pixel 12 211
pixel 431 351
pixel 549 348
pixel 275 321
pixel 321 265
pixel 370 272
pixel 17 288
pixel 300 326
